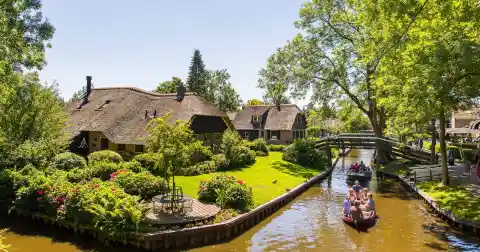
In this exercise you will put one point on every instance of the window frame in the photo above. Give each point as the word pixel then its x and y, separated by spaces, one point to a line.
pixel 121 149
pixel 101 143
pixel 246 135
pixel 256 118
pixel 136 150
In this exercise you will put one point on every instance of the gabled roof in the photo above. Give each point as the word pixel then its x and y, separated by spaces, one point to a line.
pixel 119 113
pixel 276 119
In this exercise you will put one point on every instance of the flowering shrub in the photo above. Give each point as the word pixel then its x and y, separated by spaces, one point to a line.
pixel 103 170
pixel 226 190
pixel 67 161
pixel 104 156
pixel 143 184
pixel 303 152
pixel 133 166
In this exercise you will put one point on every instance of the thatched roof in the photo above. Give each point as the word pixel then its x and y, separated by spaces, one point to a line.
pixel 274 118
pixel 119 113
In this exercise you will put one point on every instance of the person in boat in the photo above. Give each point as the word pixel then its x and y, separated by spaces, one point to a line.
pixel 351 168
pixel 357 187
pixel 362 165
pixel 364 195
pixel 351 195
pixel 346 206
pixel 370 203
pixel 356 167
pixel 356 211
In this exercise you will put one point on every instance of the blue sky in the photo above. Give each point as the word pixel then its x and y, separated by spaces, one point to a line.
pixel 140 43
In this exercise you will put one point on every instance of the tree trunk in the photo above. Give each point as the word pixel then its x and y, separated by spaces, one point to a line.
pixel 434 142
pixel 443 147
pixel 378 129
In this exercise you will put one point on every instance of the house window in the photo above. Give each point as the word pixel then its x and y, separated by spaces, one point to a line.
pixel 247 135
pixel 139 148
pixel 256 118
pixel 121 147
pixel 299 119
pixel 298 134
pixel 104 143
pixel 275 135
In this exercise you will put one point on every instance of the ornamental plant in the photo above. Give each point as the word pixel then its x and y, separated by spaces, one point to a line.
pixel 142 184
pixel 225 190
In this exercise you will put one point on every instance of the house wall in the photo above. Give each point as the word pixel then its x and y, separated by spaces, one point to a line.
pixel 95 144
pixel 460 123
pixel 252 134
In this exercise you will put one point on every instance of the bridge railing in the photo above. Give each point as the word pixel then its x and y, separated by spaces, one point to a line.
pixel 369 141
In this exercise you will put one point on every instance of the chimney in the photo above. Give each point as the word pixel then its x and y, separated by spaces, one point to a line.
pixel 146 114
pixel 180 93
pixel 89 89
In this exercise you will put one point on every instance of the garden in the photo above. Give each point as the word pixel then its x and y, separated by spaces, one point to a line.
pixel 111 195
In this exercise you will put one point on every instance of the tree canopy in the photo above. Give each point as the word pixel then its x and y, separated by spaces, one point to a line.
pixel 254 102
pixel 219 91
pixel 169 86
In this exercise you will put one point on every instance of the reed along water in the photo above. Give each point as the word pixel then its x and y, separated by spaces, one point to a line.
pixel 310 223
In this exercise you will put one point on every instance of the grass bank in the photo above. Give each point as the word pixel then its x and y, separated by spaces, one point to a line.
pixel 259 176
pixel 398 167
pixel 455 198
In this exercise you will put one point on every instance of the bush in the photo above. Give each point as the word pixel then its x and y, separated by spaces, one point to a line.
pixel 67 161
pixel 78 175
pixel 260 154
pixel 225 190
pixel 259 145
pixel 276 147
pixel 133 166
pixel 221 162
pixel 200 168
pixel 7 189
pixel 200 153
pixel 153 163
pixel 239 196
pixel 303 152
pixel 142 184
pixel 103 170
pixel 104 156
pixel 241 156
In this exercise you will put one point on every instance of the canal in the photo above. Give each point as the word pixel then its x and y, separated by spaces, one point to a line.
pixel 310 223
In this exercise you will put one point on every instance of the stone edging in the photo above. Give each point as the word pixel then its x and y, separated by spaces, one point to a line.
pixel 445 215
pixel 227 230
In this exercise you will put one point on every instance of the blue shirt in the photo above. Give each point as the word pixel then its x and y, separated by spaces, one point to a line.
pixel 347 206
pixel 371 203
pixel 357 188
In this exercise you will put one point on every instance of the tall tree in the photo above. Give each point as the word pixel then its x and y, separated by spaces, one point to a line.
pixel 220 92
pixel 338 53
pixel 32 121
pixel 440 63
pixel 169 86
pixel 197 74
pixel 24 34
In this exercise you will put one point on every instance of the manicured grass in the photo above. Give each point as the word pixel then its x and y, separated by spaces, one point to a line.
pixel 259 176
pixel 457 199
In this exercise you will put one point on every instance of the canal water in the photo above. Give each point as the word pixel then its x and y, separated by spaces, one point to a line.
pixel 310 223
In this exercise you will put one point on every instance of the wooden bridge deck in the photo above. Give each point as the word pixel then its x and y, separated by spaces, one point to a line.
pixel 199 211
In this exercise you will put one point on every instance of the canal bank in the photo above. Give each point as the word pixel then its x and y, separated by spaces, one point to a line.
pixel 311 222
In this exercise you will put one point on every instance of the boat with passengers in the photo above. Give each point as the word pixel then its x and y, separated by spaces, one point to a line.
pixel 359 208
pixel 359 172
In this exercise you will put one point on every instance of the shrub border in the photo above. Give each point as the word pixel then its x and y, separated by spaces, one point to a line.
pixel 445 215
pixel 227 230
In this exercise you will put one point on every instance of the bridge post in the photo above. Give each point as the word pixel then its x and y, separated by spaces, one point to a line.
pixel 329 156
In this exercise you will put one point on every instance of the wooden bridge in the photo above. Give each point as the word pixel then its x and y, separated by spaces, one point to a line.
pixel 370 141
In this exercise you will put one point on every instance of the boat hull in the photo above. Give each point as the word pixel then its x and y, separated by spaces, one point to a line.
pixel 359 176
pixel 362 224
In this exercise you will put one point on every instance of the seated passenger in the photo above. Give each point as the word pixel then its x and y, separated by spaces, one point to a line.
pixel 370 203
pixel 346 206
pixel 362 165
pixel 356 167
pixel 357 187
pixel 356 211
pixel 351 195
pixel 364 195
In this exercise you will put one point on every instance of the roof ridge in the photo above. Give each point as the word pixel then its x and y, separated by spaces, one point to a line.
pixel 143 91
pixel 272 105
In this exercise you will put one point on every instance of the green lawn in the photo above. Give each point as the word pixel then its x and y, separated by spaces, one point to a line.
pixel 457 199
pixel 398 167
pixel 259 176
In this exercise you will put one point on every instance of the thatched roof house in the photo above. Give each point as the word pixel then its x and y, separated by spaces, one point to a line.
pixel 121 114
pixel 276 123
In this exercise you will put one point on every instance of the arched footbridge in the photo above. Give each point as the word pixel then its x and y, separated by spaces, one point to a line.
pixel 370 141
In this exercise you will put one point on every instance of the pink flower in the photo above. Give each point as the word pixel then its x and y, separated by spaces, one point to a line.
pixel 38 199
pixel 41 192
pixel 62 199
pixel 240 182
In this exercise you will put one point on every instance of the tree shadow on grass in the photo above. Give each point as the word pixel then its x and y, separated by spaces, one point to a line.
pixel 295 169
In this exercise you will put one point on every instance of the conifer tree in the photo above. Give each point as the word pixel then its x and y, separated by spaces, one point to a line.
pixel 196 74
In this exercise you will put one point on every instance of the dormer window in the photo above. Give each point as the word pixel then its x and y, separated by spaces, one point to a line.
pixel 256 118
pixel 299 119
